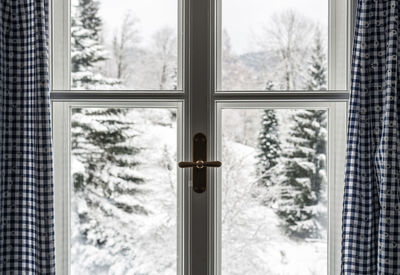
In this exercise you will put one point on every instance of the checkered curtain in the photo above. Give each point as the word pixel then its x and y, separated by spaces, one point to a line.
pixel 26 190
pixel 371 215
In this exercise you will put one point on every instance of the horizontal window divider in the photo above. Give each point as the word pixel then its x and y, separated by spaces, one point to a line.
pixel 114 96
pixel 287 96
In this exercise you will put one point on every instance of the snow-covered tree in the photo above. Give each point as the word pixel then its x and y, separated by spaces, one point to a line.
pixel 243 218
pixel 123 203
pixel 317 72
pixel 87 51
pixel 269 86
pixel 165 50
pixel 288 36
pixel 107 183
pixel 302 203
pixel 125 42
pixel 269 142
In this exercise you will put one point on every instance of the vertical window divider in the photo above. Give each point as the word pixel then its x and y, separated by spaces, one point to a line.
pixel 60 45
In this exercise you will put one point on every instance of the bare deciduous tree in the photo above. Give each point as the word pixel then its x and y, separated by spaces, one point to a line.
pixel 124 45
pixel 289 35
pixel 165 48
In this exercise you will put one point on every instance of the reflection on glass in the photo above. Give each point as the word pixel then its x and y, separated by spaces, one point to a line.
pixel 124 192
pixel 274 45
pixel 124 45
pixel 274 192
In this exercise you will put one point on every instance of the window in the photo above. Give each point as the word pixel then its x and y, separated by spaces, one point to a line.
pixel 277 204
pixel 134 81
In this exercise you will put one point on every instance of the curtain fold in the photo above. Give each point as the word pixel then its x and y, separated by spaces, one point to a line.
pixel 26 198
pixel 371 215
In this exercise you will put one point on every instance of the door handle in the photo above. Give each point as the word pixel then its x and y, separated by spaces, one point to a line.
pixel 199 163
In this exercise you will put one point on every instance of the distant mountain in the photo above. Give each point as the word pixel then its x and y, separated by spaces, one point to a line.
pixel 259 61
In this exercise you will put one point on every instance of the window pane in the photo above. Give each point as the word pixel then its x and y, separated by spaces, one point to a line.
pixel 124 191
pixel 124 45
pixel 274 45
pixel 274 214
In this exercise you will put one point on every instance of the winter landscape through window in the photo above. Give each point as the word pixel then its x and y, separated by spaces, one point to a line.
pixel 131 45
pixel 124 191
pixel 124 45
pixel 125 206
pixel 271 45
pixel 274 208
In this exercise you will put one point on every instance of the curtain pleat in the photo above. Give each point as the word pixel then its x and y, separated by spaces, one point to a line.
pixel 371 215
pixel 26 198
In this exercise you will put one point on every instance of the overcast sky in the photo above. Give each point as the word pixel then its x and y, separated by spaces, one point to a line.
pixel 241 18
pixel 245 18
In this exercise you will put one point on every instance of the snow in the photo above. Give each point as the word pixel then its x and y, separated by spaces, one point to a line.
pixel 134 243
pixel 125 226
pixel 253 241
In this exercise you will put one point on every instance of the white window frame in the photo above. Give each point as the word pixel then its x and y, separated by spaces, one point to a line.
pixel 192 100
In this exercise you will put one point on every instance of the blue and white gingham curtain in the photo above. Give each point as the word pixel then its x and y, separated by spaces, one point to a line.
pixel 371 214
pixel 26 188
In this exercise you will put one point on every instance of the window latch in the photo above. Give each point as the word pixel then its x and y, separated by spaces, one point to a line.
pixel 199 163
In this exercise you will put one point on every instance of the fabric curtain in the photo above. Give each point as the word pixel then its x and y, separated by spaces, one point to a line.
pixel 371 215
pixel 26 198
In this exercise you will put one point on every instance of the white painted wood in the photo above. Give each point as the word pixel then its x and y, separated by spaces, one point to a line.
pixel 60 45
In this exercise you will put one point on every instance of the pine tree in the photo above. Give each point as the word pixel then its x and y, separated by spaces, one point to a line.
pixel 87 52
pixel 303 193
pixel 102 143
pixel 269 142
pixel 107 187
pixel 303 188
pixel 317 71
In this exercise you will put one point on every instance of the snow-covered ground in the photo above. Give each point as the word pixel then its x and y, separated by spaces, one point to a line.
pixel 252 240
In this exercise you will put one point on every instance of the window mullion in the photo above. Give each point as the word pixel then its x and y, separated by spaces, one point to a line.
pixel 339 44
pixel 60 45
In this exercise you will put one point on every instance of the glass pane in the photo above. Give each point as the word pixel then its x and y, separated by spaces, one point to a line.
pixel 124 45
pixel 124 191
pixel 274 213
pixel 274 45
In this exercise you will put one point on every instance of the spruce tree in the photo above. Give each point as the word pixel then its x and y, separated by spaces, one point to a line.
pixel 302 204
pixel 303 192
pixel 102 143
pixel 317 72
pixel 106 185
pixel 304 186
pixel 269 142
pixel 87 51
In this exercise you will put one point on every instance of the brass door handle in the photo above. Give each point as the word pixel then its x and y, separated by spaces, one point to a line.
pixel 200 164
